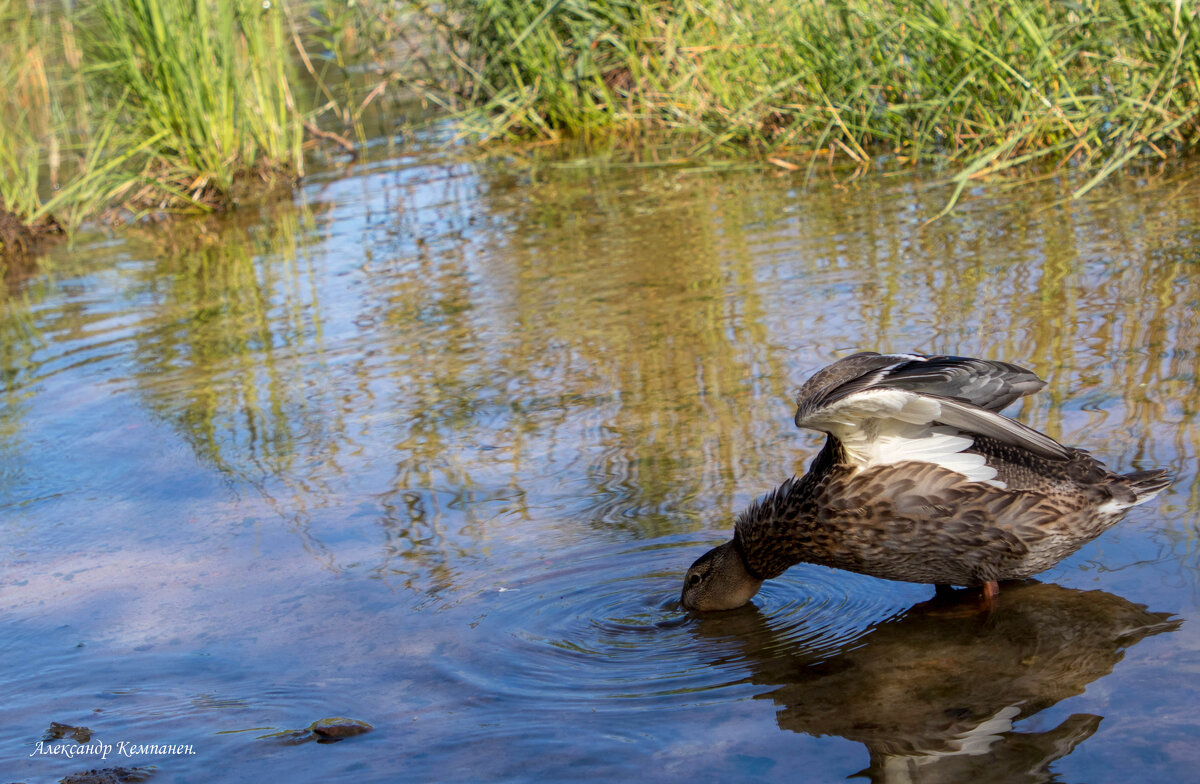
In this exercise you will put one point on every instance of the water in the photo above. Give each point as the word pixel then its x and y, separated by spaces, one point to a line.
pixel 431 446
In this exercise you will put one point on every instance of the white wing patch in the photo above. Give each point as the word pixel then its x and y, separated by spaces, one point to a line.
pixel 1113 506
pixel 889 426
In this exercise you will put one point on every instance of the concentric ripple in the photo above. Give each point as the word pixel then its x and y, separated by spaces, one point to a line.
pixel 601 626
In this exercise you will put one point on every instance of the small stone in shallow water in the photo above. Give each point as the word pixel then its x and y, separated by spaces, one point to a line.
pixel 109 776
pixel 58 731
pixel 322 731
pixel 339 727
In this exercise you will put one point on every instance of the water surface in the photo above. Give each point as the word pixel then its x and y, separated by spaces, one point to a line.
pixel 431 445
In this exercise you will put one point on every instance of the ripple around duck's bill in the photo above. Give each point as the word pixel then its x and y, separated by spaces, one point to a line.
pixel 599 627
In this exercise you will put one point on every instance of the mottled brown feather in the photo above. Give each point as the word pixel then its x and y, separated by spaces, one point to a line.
pixel 921 522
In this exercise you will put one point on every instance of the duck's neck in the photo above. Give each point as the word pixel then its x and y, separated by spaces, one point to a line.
pixel 774 532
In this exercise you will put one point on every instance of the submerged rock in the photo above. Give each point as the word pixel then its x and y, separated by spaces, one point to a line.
pixel 58 731
pixel 339 727
pixel 322 731
pixel 109 776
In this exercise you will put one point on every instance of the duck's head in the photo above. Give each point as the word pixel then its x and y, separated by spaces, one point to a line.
pixel 718 580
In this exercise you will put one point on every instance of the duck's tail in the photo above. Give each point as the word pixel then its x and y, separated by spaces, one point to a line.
pixel 1147 484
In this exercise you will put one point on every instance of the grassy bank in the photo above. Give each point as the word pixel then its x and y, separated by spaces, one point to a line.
pixel 188 104
pixel 146 105
pixel 209 83
pixel 28 112
pixel 979 86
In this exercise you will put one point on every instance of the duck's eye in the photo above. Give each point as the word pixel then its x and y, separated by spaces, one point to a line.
pixel 694 579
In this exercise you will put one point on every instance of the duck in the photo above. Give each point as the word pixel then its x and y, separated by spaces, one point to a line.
pixel 921 479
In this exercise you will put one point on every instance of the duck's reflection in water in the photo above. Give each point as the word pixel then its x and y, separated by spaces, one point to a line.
pixel 933 693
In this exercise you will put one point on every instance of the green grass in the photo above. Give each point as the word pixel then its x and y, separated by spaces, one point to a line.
pixel 978 86
pixel 142 105
pixel 188 104
pixel 209 81
pixel 26 108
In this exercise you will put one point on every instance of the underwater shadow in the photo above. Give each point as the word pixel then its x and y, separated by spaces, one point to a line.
pixel 933 693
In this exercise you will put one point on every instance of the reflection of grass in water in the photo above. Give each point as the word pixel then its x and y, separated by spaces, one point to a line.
pixel 1114 329
pixel 19 340
pixel 614 350
pixel 621 322
pixel 214 370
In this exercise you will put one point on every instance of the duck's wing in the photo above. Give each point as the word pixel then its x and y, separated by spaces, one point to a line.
pixel 889 408
pixel 979 382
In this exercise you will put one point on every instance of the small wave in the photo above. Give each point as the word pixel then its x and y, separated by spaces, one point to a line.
pixel 605 624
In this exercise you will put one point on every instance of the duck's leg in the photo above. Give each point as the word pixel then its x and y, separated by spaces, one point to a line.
pixel 991 589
